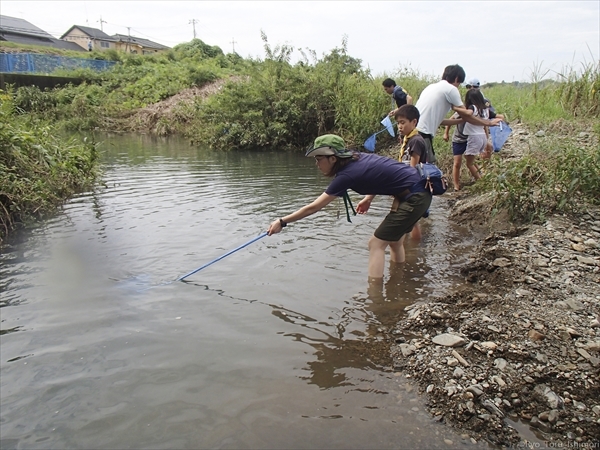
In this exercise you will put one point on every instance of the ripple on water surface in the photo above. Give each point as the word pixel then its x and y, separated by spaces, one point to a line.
pixel 278 345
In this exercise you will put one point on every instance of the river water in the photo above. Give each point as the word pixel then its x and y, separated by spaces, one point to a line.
pixel 279 345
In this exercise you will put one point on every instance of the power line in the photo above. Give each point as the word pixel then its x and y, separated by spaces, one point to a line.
pixel 101 22
pixel 139 32
pixel 194 22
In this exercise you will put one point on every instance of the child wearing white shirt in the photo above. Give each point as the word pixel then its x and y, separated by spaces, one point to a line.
pixel 477 135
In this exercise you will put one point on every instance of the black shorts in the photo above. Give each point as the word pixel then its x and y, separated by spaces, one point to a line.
pixel 458 148
pixel 397 223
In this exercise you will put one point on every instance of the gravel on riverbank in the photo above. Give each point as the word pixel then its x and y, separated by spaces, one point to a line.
pixel 519 341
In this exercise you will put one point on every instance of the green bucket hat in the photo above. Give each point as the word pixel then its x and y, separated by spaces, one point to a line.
pixel 329 145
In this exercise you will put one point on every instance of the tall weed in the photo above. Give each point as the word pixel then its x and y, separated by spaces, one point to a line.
pixel 580 92
pixel 280 105
pixel 38 169
pixel 571 94
pixel 553 176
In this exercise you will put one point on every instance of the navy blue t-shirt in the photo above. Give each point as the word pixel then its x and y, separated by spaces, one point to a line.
pixel 399 96
pixel 374 175
pixel 490 107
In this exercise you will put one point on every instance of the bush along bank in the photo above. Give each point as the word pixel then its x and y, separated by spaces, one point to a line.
pixel 269 103
pixel 38 170
pixel 273 104
pixel 553 174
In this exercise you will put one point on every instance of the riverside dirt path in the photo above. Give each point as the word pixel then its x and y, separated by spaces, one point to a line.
pixel 514 351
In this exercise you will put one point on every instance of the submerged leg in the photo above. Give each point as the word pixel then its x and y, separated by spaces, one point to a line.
pixel 397 253
pixel 376 257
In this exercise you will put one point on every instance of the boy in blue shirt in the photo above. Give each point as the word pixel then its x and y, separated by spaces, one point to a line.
pixel 399 95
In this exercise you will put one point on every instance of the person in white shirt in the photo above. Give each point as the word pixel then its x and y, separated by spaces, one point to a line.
pixel 438 99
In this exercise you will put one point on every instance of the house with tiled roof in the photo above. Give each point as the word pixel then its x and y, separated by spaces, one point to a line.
pixel 87 37
pixel 13 29
pixel 99 40
pixel 132 44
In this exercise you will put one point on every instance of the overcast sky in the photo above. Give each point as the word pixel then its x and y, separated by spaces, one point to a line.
pixel 492 40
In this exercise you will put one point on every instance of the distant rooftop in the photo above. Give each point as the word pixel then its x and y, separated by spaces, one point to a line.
pixel 143 42
pixel 92 32
pixel 20 26
pixel 20 31
pixel 13 29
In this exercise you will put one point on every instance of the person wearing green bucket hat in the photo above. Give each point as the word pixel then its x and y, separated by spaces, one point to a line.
pixel 370 175
pixel 329 145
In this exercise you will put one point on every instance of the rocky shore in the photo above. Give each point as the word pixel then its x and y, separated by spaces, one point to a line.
pixel 519 341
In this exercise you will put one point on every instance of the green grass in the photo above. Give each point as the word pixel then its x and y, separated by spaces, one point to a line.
pixel 38 168
pixel 553 175
pixel 570 95
pixel 9 47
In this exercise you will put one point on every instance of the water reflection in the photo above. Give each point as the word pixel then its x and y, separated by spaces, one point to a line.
pixel 339 345
pixel 334 349
pixel 102 349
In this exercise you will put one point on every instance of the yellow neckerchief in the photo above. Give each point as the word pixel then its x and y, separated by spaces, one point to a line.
pixel 405 141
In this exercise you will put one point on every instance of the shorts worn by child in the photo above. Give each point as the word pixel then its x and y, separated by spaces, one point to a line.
pixel 459 138
pixel 476 135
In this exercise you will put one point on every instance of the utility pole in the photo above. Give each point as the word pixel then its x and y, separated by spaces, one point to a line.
pixel 194 22
pixel 233 42
pixel 128 47
pixel 101 22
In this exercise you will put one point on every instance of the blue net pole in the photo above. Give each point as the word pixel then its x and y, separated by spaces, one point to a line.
pixel 223 256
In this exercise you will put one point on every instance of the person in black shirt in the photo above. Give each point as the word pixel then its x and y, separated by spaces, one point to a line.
pixel 399 95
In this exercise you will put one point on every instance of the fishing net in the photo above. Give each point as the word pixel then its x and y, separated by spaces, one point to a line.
pixel 499 134
pixel 369 144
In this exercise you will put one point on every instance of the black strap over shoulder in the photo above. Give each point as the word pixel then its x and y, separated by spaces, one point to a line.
pixel 346 203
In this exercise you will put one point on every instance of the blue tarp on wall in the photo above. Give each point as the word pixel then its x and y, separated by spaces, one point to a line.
pixel 36 63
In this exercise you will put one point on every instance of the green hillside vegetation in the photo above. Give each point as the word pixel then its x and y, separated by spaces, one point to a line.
pixel 272 103
pixel 13 47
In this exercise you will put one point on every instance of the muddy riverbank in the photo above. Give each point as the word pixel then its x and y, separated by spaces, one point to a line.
pixel 518 343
